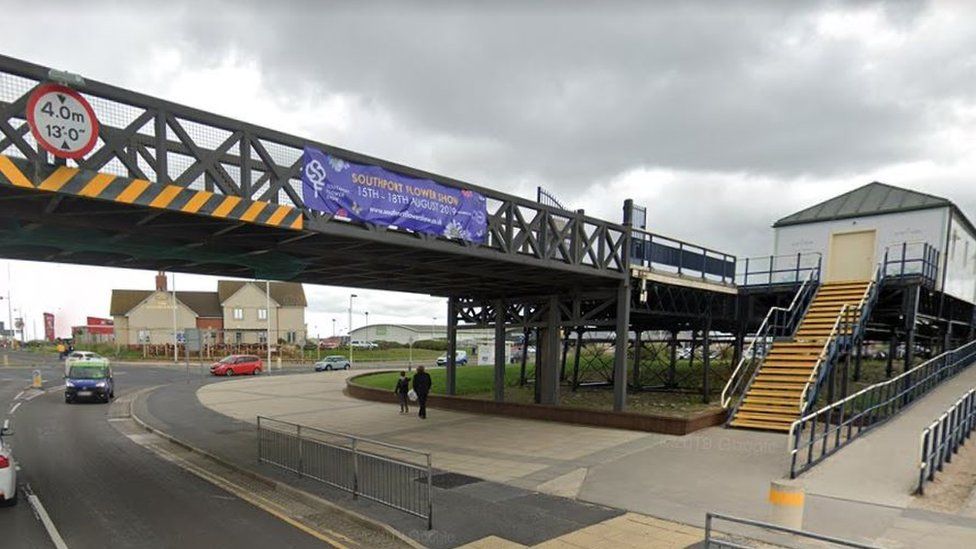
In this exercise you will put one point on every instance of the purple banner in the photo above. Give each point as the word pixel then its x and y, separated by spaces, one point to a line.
pixel 374 195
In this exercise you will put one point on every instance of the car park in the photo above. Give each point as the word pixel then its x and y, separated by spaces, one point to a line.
pixel 237 365
pixel 89 379
pixel 334 362
pixel 460 358
pixel 8 468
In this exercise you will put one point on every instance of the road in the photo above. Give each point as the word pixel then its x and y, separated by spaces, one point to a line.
pixel 103 490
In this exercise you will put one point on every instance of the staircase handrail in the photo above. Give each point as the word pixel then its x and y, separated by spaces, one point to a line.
pixel 832 344
pixel 762 335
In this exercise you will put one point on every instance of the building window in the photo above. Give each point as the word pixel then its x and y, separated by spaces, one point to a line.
pixel 262 337
pixel 238 313
pixel 262 314
pixel 291 337
pixel 238 337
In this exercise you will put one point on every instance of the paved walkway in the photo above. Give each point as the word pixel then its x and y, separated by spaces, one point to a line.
pixel 675 478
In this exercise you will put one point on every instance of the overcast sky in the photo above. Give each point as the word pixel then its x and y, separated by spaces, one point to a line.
pixel 719 119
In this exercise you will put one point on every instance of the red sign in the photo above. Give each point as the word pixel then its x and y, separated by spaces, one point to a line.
pixel 49 326
pixel 62 121
pixel 100 325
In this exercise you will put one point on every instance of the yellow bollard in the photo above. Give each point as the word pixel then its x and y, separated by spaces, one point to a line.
pixel 786 500
pixel 36 381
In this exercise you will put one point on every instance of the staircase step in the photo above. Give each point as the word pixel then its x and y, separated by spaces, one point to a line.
pixel 778 386
pixel 783 410
pixel 790 366
pixel 750 424
pixel 772 401
pixel 768 417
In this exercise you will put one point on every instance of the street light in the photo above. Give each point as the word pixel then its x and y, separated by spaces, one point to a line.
pixel 351 296
pixel 367 325
pixel 433 324
pixel 333 328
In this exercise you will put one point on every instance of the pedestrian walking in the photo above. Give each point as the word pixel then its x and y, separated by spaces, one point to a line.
pixel 61 350
pixel 421 386
pixel 401 390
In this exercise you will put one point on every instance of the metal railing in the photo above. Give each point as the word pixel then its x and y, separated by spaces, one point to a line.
pixel 779 322
pixel 940 440
pixel 777 269
pixel 678 257
pixel 818 435
pixel 847 330
pixel 736 543
pixel 912 259
pixel 391 475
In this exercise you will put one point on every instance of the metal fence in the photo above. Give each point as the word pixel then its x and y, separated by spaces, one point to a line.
pixel 912 259
pixel 820 434
pixel 778 269
pixel 674 256
pixel 737 542
pixel 394 476
pixel 944 436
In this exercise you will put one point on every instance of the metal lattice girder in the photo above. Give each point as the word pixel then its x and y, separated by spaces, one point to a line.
pixel 146 138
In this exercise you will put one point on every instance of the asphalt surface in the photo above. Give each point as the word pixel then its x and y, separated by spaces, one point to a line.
pixel 103 490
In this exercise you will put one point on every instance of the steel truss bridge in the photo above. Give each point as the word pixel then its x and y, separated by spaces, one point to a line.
pixel 175 188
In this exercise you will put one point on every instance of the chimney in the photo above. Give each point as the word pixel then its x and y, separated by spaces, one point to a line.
pixel 160 281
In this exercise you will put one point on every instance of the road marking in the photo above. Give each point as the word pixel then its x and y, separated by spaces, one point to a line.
pixel 52 530
pixel 14 409
pixel 20 394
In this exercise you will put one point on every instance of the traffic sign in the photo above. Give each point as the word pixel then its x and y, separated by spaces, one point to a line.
pixel 193 340
pixel 62 121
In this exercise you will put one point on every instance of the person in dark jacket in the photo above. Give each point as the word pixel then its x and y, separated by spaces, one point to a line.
pixel 421 386
pixel 401 390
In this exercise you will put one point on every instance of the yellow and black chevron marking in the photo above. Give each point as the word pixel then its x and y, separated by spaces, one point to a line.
pixel 62 179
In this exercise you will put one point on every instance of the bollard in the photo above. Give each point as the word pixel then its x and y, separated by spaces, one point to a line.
pixel 36 381
pixel 786 503
pixel 279 363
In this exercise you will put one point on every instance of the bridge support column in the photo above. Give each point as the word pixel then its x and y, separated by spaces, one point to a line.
pixel 706 359
pixel 451 346
pixel 620 349
pixel 549 367
pixel 911 311
pixel 636 382
pixel 499 351
pixel 673 365
pixel 576 359
pixel 525 356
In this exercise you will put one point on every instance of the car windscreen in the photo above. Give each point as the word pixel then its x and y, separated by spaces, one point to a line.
pixel 88 372
pixel 229 360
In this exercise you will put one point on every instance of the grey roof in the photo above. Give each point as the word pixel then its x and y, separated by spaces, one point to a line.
pixel 872 199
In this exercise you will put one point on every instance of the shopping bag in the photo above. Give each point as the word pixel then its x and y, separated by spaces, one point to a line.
pixel 412 395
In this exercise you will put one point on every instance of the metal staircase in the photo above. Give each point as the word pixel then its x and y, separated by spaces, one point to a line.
pixel 788 378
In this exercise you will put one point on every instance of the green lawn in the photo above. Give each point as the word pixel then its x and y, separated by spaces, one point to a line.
pixel 471 380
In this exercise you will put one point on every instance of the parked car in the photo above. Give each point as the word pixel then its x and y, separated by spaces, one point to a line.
pixel 75 356
pixel 364 345
pixel 335 362
pixel 329 345
pixel 460 358
pixel 8 468
pixel 89 379
pixel 236 365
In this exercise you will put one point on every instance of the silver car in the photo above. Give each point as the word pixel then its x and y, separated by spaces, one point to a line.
pixel 335 362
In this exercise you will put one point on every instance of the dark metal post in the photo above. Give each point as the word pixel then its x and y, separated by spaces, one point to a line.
pixel 620 349
pixel 892 350
pixel 540 357
pixel 706 359
pixel 576 359
pixel 562 364
pixel 673 365
pixel 911 310
pixel 451 387
pixel 550 355
pixel 499 350
pixel 857 363
pixel 525 356
pixel 636 382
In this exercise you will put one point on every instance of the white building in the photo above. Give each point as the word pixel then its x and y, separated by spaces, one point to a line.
pixel 856 231
pixel 405 333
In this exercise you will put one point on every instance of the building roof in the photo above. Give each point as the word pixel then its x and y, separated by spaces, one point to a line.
pixel 871 199
pixel 204 304
pixel 286 294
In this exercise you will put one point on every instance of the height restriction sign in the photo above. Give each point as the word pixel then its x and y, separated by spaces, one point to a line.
pixel 62 121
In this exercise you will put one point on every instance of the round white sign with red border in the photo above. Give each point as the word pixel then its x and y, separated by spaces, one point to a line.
pixel 62 121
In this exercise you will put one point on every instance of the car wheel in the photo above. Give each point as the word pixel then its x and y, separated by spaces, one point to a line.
pixel 346 367
pixel 256 371
pixel 67 400
pixel 229 372
pixel 12 501
pixel 328 367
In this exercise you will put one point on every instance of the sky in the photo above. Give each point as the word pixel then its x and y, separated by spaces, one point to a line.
pixel 719 117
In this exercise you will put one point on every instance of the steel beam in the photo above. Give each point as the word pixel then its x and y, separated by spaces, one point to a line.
pixel 499 385
pixel 549 393
pixel 620 351
pixel 451 346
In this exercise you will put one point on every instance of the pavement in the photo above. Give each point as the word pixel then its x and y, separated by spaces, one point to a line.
pixel 673 478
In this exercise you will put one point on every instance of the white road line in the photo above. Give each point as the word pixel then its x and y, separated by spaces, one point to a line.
pixel 52 530
pixel 20 394
pixel 14 409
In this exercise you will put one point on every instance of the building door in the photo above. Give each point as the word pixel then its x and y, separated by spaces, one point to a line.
pixel 851 256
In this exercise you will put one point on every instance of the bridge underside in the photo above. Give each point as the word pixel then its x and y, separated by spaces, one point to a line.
pixel 66 228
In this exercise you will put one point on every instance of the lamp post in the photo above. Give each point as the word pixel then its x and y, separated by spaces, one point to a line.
pixel 176 341
pixel 367 326
pixel 351 296
pixel 267 316
pixel 433 324
pixel 333 328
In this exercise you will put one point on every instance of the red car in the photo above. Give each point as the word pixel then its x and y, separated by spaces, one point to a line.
pixel 236 365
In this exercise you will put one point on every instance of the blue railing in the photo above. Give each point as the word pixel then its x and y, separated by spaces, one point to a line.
pixel 820 434
pixel 940 440
pixel 778 269
pixel 911 259
pixel 673 256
